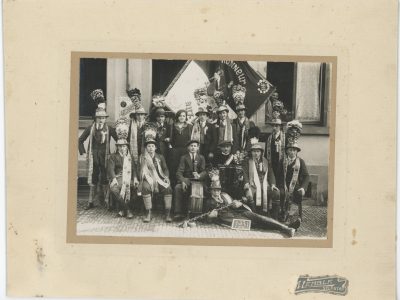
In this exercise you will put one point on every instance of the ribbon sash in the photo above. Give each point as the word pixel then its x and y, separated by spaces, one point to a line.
pixel 126 177
pixel 261 191
pixel 150 173
pixel 133 141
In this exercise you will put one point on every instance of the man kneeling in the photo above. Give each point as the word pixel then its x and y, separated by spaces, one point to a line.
pixel 237 210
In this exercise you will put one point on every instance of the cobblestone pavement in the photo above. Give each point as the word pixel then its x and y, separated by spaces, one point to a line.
pixel 101 222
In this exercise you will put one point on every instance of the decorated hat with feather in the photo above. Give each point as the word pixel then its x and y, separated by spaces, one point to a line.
pixel 150 133
pixel 293 133
pixel 122 130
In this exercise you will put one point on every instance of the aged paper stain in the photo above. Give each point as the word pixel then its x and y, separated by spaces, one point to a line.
pixel 40 256
pixel 354 232
pixel 11 227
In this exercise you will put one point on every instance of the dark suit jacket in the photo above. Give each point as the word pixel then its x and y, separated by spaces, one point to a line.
pixel 115 165
pixel 185 168
pixel 303 179
pixel 236 133
pixel 266 166
pixel 96 139
pixel 214 136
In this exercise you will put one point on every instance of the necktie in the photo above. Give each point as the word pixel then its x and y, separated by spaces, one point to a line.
pixel 193 163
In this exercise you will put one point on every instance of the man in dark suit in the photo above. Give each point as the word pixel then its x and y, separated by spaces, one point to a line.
pixel 191 166
pixel 122 174
pixel 294 182
pixel 240 129
pixel 203 132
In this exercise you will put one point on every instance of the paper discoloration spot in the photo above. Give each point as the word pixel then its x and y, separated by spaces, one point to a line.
pixel 11 227
pixel 354 232
pixel 40 256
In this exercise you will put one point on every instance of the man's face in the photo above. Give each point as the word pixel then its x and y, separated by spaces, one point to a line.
pixel 291 152
pixel 215 193
pixel 151 148
pixel 193 147
pixel 182 117
pixel 160 119
pixel 100 120
pixel 140 117
pixel 202 117
pixel 122 148
pixel 256 154
pixel 276 128
pixel 226 149
pixel 222 115
pixel 241 113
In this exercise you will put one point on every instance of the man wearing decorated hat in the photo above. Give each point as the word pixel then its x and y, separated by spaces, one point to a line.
pixel 259 181
pixel 154 176
pixel 122 176
pixel 222 128
pixel 162 132
pixel 192 165
pixel 294 182
pixel 275 146
pixel 202 131
pixel 224 210
pixel 138 120
pixel 99 134
pixel 241 124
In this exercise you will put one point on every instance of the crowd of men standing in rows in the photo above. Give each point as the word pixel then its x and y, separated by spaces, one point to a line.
pixel 170 158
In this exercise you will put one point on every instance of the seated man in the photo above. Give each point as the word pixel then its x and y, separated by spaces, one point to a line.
pixel 259 182
pixel 191 166
pixel 236 210
pixel 154 178
pixel 224 156
pixel 231 173
pixel 121 171
pixel 294 183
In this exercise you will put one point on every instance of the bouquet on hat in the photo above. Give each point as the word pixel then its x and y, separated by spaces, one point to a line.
pixel 158 101
pixel 98 97
pixel 293 131
pixel 214 174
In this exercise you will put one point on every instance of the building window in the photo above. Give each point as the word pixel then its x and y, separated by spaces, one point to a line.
pixel 93 75
pixel 301 88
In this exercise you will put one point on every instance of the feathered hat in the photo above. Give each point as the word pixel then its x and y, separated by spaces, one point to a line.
pixel 122 130
pixel 293 133
pixel 150 133
pixel 98 98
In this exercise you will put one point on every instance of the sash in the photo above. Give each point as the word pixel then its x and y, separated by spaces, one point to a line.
pixel 149 173
pixel 281 149
pixel 125 192
pixel 229 160
pixel 196 132
pixel 296 171
pixel 227 134
pixel 243 129
pixel 89 157
pixel 133 141
pixel 261 191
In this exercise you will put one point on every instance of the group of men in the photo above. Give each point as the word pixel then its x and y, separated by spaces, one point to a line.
pixel 225 164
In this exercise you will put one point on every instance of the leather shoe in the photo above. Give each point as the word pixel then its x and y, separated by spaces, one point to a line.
pixel 89 206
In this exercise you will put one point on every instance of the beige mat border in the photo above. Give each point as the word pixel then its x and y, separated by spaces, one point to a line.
pixel 72 237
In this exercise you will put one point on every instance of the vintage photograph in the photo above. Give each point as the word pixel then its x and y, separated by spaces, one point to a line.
pixel 203 148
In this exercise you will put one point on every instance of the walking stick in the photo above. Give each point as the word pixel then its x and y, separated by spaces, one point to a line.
pixel 184 224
